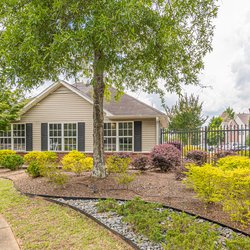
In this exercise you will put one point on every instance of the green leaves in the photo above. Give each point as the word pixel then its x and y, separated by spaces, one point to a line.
pixel 186 114
pixel 142 41
pixel 11 102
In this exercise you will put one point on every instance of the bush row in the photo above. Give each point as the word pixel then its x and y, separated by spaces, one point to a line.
pixel 227 183
pixel 9 159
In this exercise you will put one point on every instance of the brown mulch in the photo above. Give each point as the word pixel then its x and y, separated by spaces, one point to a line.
pixel 150 186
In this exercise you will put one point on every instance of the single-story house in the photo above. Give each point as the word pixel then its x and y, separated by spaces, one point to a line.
pixel 61 119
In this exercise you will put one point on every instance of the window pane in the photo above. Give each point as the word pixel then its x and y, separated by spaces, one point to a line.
pixel 109 136
pixel 125 136
pixel 19 138
pixel 55 140
pixel 70 139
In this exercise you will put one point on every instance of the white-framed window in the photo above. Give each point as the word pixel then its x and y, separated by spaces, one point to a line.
pixel 5 140
pixel 70 136
pixel 19 137
pixel 110 136
pixel 62 136
pixel 55 137
pixel 118 136
pixel 125 136
pixel 14 138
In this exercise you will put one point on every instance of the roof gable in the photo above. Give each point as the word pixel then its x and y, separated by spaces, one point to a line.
pixel 50 90
pixel 126 106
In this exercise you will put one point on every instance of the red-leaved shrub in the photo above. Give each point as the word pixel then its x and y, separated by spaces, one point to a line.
pixel 199 157
pixel 140 162
pixel 166 157
pixel 177 144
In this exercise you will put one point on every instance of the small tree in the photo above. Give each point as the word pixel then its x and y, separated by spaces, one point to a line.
pixel 229 112
pixel 186 114
pixel 215 136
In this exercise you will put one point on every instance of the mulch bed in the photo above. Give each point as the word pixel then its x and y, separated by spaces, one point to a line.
pixel 150 186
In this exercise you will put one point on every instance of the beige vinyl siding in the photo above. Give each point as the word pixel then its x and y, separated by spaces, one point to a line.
pixel 62 105
pixel 148 134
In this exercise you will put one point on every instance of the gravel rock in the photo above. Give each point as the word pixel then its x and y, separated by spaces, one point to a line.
pixel 114 221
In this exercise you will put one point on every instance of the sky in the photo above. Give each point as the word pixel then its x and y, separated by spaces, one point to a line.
pixel 227 67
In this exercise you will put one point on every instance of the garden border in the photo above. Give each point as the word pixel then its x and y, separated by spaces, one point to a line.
pixel 51 198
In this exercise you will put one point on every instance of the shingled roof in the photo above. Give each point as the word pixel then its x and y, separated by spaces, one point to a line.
pixel 126 106
pixel 244 118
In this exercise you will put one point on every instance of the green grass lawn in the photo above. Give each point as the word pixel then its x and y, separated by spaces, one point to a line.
pixel 38 224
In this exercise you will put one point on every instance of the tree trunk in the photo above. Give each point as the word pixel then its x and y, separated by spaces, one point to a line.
pixel 98 139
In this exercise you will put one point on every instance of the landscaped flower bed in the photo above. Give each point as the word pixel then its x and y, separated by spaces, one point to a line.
pixel 151 226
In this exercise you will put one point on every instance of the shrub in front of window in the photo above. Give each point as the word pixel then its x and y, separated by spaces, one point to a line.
pixel 40 157
pixel 77 162
pixel 5 152
pixel 33 169
pixel 140 162
pixel 116 164
pixel 198 156
pixel 166 157
pixel 38 162
pixel 12 161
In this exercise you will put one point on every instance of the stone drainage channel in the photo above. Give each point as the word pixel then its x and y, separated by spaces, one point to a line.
pixel 114 222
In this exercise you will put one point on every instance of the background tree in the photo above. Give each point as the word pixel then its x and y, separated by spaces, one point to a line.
pixel 11 103
pixel 228 114
pixel 186 114
pixel 214 135
pixel 116 42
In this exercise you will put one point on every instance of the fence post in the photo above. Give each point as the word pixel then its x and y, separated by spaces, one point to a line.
pixel 205 138
pixel 248 139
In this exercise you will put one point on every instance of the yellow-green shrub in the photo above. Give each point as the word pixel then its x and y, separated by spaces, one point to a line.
pixel 39 162
pixel 55 175
pixel 235 187
pixel 125 179
pixel 116 164
pixel 205 181
pixel 77 162
pixel 233 162
pixel 228 183
pixel 5 152
pixel 40 157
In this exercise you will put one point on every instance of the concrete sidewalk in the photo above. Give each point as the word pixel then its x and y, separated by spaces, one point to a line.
pixel 7 239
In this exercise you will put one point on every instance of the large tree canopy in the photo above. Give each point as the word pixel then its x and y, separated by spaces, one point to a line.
pixel 124 43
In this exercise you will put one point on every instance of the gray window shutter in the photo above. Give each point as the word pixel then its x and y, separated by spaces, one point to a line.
pixel 81 136
pixel 44 136
pixel 137 136
pixel 29 137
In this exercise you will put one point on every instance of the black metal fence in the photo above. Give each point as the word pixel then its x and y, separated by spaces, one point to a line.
pixel 213 141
